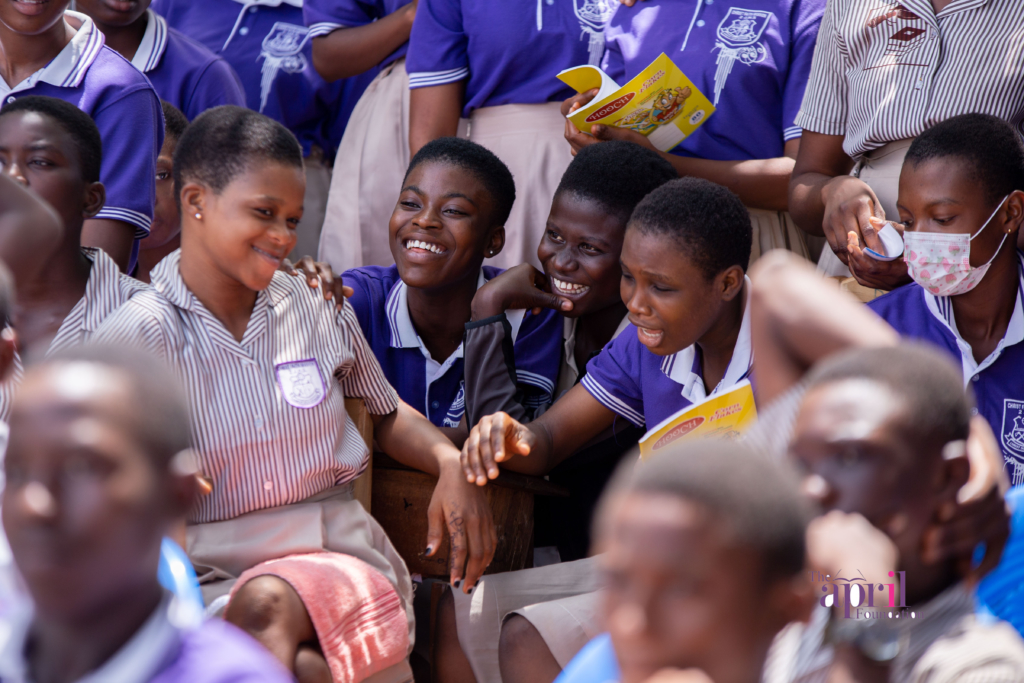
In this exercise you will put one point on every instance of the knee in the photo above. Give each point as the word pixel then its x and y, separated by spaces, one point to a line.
pixel 519 638
pixel 261 603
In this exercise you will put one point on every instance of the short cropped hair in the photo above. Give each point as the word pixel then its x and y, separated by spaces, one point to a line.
pixel 161 418
pixel 224 141
pixel 175 121
pixel 989 147
pixel 479 162
pixel 938 409
pixel 74 121
pixel 705 221
pixel 756 499
pixel 616 175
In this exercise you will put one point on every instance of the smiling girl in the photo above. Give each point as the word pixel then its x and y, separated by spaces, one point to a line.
pixel 268 364
pixel 450 216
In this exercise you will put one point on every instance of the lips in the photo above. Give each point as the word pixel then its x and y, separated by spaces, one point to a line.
pixel 272 256
pixel 568 288
pixel 413 245
pixel 30 7
pixel 649 337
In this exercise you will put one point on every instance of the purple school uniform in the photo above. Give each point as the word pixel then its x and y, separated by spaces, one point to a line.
pixel 997 381
pixel 751 61
pixel 268 45
pixel 630 380
pixel 325 16
pixel 183 72
pixel 381 306
pixel 126 110
pixel 507 52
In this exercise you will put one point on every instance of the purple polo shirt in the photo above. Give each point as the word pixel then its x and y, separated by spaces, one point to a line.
pixel 508 52
pixel 268 45
pixel 218 652
pixel 183 72
pixel 126 110
pixel 437 389
pixel 752 61
pixel 632 381
pixel 325 16
pixel 997 381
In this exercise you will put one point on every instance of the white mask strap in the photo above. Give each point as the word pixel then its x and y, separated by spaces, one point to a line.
pixel 998 206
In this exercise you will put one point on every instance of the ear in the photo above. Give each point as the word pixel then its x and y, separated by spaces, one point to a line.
pixel 955 470
pixel 495 242
pixel 8 345
pixel 1014 212
pixel 193 199
pixel 95 198
pixel 730 282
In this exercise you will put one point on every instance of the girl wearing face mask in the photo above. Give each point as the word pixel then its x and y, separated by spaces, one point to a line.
pixel 961 200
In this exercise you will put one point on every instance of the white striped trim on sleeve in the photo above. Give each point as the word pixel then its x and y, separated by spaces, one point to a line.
pixel 424 79
pixel 322 28
pixel 141 221
pixel 605 398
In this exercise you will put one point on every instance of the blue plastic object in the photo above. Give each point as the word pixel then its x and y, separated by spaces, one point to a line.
pixel 595 663
pixel 177 575
pixel 1001 592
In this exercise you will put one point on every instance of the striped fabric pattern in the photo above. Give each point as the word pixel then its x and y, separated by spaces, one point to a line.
pixel 154 43
pixel 105 291
pixel 322 28
pixel 423 79
pixel 141 221
pixel 258 444
pixel 886 71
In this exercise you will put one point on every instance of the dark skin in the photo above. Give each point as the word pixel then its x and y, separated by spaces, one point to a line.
pixel 85 509
pixel 759 183
pixel 677 582
pixel 350 51
pixel 434 113
pixel 580 250
pixel 165 233
pixel 863 457
pixel 38 153
pixel 122 28
pixel 940 196
pixel 30 37
pixel 673 305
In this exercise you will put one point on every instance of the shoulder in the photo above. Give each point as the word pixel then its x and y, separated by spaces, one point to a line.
pixel 145 307
pixel 180 46
pixel 111 70
pixel 976 649
pixel 218 652
pixel 371 286
pixel 901 306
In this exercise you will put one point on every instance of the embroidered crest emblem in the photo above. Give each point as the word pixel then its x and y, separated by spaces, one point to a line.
pixel 281 49
pixel 739 36
pixel 301 383
pixel 1012 438
pixel 903 39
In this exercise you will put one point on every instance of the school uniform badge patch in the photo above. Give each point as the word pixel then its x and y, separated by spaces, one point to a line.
pixel 739 36
pixel 281 51
pixel 301 383
pixel 1012 438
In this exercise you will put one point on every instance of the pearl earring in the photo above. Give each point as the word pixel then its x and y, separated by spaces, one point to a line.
pixel 199 216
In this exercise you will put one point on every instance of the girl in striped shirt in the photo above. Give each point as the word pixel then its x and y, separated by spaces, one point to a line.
pixel 267 364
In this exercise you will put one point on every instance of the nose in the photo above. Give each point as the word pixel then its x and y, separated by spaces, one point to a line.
pixel 15 171
pixel 564 260
pixel 38 501
pixel 427 218
pixel 634 298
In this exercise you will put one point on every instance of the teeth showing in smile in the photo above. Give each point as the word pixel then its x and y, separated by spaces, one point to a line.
pixel 651 335
pixel 420 244
pixel 568 287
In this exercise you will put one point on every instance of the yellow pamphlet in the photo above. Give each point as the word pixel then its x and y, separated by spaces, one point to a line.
pixel 661 102
pixel 724 416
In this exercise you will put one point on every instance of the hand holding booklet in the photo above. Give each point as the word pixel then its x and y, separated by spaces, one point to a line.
pixel 722 416
pixel 660 102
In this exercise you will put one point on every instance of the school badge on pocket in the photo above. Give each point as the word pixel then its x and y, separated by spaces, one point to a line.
pixel 281 49
pixel 301 383
pixel 1012 438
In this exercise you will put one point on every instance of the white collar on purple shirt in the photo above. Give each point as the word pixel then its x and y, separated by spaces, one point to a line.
pixel 154 43
pixel 68 68
pixel 942 308
pixel 403 332
pixel 679 366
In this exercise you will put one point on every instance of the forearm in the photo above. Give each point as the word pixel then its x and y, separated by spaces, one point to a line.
pixel 821 158
pixel 351 51
pixel 807 207
pixel 759 183
pixel 434 113
pixel 412 440
pixel 113 237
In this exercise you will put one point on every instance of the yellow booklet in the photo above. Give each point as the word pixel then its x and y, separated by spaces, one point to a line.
pixel 724 416
pixel 661 102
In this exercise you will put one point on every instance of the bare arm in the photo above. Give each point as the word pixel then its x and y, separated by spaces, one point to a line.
pixel 113 237
pixel 456 505
pixel 351 51
pixel 434 113
pixel 759 183
pixel 572 421
pixel 797 318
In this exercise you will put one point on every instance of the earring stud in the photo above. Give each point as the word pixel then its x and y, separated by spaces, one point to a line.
pixel 199 216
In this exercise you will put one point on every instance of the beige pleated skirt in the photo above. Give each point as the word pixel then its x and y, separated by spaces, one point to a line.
pixel 368 171
pixel 775 230
pixel 530 139
pixel 880 170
